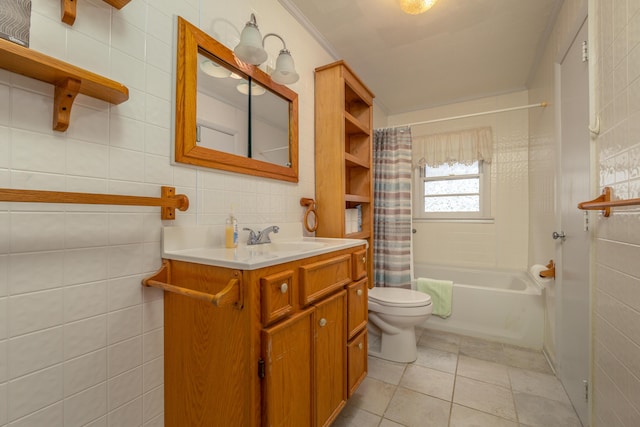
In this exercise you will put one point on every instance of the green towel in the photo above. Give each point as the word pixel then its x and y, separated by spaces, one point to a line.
pixel 440 292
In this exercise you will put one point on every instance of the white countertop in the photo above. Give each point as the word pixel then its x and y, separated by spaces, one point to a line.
pixel 199 244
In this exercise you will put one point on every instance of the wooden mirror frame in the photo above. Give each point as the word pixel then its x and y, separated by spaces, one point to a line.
pixel 191 40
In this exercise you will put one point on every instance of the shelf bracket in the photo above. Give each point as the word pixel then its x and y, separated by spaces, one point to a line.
pixel 68 8
pixel 65 94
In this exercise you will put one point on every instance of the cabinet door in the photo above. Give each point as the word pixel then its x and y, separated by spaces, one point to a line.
pixel 357 353
pixel 286 387
pixel 330 358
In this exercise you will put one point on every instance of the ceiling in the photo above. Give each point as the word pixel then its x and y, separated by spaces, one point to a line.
pixel 459 50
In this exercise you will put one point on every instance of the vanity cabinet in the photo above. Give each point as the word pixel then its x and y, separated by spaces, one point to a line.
pixel 287 349
pixel 344 154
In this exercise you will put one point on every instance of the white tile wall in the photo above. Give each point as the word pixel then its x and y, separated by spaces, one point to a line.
pixel 81 343
pixel 502 243
pixel 616 372
pixel 617 332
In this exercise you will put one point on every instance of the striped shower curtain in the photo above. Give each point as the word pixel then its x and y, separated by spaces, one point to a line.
pixel 392 207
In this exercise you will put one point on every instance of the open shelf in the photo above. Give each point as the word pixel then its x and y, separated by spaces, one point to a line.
pixel 355 198
pixel 353 126
pixel 352 161
pixel 68 80
pixel 68 9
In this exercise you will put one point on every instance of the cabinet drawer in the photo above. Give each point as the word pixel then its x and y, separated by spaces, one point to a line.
pixel 324 277
pixel 276 293
pixel 356 361
pixel 357 303
pixel 359 264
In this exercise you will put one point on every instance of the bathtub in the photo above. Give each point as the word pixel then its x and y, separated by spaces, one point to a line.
pixel 501 305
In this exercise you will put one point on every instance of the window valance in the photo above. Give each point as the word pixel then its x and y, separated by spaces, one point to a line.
pixel 465 146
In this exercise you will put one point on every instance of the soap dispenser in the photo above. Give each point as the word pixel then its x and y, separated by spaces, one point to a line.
pixel 231 231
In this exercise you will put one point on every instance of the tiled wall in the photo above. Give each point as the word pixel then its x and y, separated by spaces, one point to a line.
pixel 615 50
pixel 501 243
pixel 81 343
pixel 616 312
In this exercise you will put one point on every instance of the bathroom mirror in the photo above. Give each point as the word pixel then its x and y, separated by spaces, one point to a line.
pixel 230 115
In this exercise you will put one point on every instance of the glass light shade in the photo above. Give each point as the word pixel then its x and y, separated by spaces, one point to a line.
pixel 415 7
pixel 285 72
pixel 212 69
pixel 250 48
pixel 256 90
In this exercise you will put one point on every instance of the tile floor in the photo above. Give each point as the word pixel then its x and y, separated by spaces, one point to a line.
pixel 460 381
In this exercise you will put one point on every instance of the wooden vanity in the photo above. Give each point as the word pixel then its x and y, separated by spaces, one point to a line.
pixel 286 345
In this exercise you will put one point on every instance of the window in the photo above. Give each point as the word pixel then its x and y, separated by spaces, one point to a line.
pixel 453 191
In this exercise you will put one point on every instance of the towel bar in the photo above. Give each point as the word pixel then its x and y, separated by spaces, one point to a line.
pixel 168 200
pixel 604 202
pixel 230 294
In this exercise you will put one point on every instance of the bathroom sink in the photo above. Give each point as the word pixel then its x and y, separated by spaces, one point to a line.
pixel 294 246
pixel 197 244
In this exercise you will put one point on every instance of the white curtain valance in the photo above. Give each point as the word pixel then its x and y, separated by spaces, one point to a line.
pixel 465 146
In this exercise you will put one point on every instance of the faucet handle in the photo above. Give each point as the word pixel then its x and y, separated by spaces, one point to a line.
pixel 253 237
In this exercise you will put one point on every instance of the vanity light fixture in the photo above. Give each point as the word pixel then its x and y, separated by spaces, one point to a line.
pixel 416 7
pixel 256 90
pixel 251 50
pixel 212 69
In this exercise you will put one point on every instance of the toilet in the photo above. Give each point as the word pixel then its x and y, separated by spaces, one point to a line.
pixel 395 312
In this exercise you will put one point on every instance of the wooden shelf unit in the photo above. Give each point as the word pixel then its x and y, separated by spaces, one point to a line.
pixel 68 80
pixel 344 153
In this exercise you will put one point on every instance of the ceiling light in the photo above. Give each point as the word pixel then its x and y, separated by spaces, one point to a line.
pixel 415 7
pixel 251 50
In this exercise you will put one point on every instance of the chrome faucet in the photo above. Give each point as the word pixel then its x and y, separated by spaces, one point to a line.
pixel 261 236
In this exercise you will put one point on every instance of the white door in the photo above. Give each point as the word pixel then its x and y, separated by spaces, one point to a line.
pixel 572 270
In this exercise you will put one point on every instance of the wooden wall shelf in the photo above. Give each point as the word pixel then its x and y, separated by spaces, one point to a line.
pixel 68 9
pixel 68 80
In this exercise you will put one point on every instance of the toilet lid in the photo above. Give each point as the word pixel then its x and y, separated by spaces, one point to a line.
pixel 399 297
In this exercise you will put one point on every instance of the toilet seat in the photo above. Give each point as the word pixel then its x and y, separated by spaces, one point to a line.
pixel 399 297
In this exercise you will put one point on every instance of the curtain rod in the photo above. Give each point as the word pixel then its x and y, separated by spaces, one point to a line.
pixel 522 107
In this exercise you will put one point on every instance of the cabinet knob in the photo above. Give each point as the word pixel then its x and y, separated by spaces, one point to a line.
pixel 322 322
pixel 364 259
pixel 359 292
pixel 360 346
pixel 283 288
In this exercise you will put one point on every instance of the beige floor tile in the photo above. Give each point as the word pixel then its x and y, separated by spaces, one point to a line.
pixel 384 370
pixel 389 423
pixel 527 359
pixel 536 411
pixel 537 383
pixel 461 416
pixel 413 409
pixel 428 381
pixel 489 372
pixel 373 396
pixel 439 340
pixel 485 397
pixel 437 359
pixel 355 417
pixel 482 349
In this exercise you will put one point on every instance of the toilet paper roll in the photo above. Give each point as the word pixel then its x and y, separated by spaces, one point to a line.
pixel 535 273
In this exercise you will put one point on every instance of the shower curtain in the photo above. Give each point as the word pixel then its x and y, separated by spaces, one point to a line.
pixel 392 207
